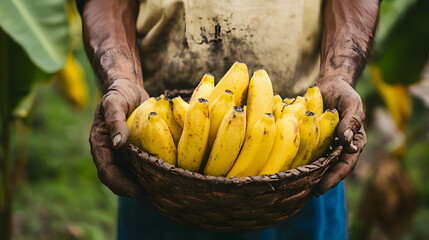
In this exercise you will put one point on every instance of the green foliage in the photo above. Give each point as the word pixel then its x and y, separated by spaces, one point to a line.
pixel 41 28
pixel 20 73
pixel 62 188
pixel 390 12
pixel 402 44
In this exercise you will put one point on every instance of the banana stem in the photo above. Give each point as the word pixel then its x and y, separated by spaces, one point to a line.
pixel 5 160
pixel 19 171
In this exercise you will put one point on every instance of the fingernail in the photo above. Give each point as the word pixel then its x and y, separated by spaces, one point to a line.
pixel 354 147
pixel 348 134
pixel 117 139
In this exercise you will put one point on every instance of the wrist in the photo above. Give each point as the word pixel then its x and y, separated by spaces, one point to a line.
pixel 111 65
pixel 329 77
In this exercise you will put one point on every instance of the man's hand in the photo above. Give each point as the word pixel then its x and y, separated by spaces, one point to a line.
pixel 337 93
pixel 109 35
pixel 110 131
pixel 348 32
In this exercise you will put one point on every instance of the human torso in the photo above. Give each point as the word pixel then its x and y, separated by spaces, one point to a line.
pixel 180 40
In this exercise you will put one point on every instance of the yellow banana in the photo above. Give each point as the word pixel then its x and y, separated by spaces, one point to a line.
pixel 204 89
pixel 180 107
pixel 278 105
pixel 300 107
pixel 218 109
pixel 396 97
pixel 130 118
pixel 315 100
pixel 194 138
pixel 163 106
pixel 259 98
pixel 328 121
pixel 286 144
pixel 236 80
pixel 227 145
pixel 155 138
pixel 72 82
pixel 309 133
pixel 256 148
pixel 289 100
pixel 137 117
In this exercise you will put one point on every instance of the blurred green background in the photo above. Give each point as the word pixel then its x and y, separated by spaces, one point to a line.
pixel 49 93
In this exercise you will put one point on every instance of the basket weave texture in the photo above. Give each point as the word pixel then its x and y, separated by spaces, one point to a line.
pixel 224 204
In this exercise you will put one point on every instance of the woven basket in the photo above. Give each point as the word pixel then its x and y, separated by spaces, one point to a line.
pixel 224 204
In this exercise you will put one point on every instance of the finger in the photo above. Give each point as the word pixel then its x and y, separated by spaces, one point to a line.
pixel 122 98
pixel 103 156
pixel 133 95
pixel 343 167
pixel 352 117
pixel 114 110
pixel 346 134
pixel 339 171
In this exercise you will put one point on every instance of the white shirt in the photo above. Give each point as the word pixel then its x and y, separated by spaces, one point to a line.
pixel 181 40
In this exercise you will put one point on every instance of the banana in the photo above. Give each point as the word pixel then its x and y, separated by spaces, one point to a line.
pixel 72 81
pixel 328 121
pixel 315 100
pixel 256 148
pixel 227 145
pixel 288 100
pixel 194 137
pixel 218 109
pixel 259 98
pixel 155 138
pixel 204 88
pixel 278 105
pixel 300 107
pixel 309 133
pixel 137 117
pixel 286 144
pixel 163 106
pixel 236 80
pixel 180 107
pixel 130 118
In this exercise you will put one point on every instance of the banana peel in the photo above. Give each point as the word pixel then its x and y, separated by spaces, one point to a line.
pixel 72 82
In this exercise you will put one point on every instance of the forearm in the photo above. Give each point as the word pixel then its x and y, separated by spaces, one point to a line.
pixel 110 39
pixel 348 32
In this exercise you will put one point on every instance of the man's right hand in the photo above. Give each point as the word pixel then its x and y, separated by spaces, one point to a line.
pixel 110 131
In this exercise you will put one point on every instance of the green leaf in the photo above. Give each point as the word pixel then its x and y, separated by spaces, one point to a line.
pixel 41 28
pixel 24 106
pixel 20 73
pixel 405 49
pixel 391 12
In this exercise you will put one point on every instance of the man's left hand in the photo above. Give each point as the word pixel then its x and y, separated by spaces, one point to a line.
pixel 337 93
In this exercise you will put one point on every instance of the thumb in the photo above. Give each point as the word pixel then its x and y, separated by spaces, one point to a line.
pixel 349 125
pixel 114 109
pixel 352 117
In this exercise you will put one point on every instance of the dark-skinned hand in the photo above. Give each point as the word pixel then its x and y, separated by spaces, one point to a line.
pixel 337 93
pixel 110 132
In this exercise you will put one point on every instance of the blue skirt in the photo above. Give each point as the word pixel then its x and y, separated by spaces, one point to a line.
pixel 321 218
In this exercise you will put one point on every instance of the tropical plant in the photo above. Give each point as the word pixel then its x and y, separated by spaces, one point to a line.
pixel 34 44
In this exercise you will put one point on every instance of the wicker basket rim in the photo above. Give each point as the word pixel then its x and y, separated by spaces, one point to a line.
pixel 280 176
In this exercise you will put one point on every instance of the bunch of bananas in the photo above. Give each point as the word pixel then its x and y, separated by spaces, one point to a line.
pixel 215 133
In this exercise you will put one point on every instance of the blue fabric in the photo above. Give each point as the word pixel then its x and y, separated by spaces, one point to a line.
pixel 321 218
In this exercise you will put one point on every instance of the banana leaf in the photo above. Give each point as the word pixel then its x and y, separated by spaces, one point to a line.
pixel 402 47
pixel 41 28
pixel 20 73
